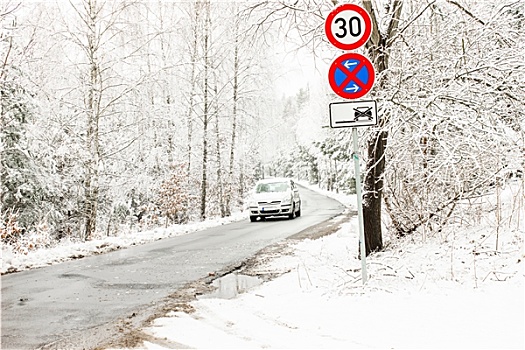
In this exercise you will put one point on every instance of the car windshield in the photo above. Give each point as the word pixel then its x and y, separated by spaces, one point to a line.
pixel 272 187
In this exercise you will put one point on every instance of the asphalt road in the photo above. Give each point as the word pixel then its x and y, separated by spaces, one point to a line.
pixel 44 306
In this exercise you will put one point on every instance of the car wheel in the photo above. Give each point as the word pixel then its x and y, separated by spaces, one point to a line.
pixel 292 215
pixel 253 218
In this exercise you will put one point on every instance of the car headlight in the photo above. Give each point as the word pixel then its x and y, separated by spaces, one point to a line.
pixel 252 202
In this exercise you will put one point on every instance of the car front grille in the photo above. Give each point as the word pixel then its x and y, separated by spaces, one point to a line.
pixel 271 212
pixel 270 203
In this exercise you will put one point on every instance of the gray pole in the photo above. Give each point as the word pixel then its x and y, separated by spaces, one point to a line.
pixel 362 246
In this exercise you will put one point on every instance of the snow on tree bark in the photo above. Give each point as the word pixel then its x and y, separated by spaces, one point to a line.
pixel 378 48
pixel 93 96
pixel 206 110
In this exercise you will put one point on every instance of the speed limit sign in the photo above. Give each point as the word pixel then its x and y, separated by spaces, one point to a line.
pixel 348 26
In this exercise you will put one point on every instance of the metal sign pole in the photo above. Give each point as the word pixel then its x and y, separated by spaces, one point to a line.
pixel 362 246
pixel 352 83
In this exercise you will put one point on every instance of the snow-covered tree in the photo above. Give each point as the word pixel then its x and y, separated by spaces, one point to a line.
pixel 454 120
pixel 21 189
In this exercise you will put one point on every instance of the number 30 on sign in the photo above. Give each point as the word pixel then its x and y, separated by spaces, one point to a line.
pixel 348 27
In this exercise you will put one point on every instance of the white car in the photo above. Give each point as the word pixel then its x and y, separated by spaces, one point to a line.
pixel 275 197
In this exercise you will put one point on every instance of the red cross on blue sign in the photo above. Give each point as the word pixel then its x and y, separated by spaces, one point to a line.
pixel 351 75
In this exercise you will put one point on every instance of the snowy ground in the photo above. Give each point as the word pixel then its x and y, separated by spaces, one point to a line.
pixel 452 289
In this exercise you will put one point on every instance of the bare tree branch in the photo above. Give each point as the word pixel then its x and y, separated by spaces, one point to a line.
pixel 455 3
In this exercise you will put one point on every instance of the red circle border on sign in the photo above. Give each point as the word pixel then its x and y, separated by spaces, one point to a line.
pixel 364 88
pixel 333 39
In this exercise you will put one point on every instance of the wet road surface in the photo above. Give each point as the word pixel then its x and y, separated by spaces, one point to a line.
pixel 43 306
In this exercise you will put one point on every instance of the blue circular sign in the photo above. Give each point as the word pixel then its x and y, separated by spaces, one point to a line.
pixel 351 75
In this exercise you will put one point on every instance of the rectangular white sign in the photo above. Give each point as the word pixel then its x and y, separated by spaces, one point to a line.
pixel 353 114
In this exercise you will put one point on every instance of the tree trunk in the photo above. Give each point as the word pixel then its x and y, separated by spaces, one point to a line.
pixel 192 89
pixel 378 47
pixel 92 136
pixel 372 196
pixel 234 121
pixel 220 181
pixel 204 182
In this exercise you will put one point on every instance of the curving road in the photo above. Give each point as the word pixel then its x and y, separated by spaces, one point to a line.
pixel 42 307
